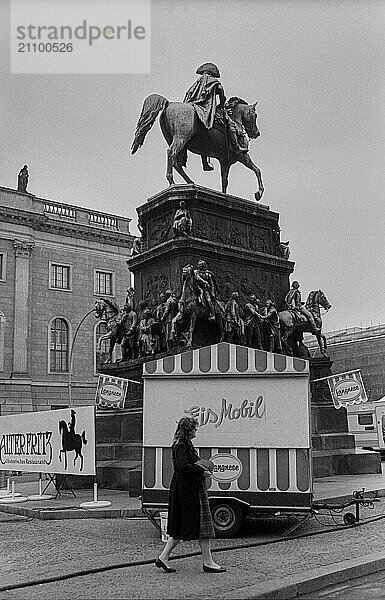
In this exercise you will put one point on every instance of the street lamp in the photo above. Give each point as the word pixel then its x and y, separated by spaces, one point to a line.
pixel 71 356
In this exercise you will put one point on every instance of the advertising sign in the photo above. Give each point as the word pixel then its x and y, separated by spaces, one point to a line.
pixel 380 418
pixel 347 388
pixel 111 392
pixel 227 467
pixel 52 441
pixel 234 412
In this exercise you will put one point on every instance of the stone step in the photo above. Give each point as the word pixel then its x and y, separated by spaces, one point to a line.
pixel 119 427
pixel 119 451
pixel 120 475
pixel 332 441
pixel 345 462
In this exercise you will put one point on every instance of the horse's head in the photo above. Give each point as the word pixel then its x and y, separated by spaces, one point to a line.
pixel 187 272
pixel 250 120
pixel 318 298
pixel 189 286
pixel 247 114
pixel 62 426
pixel 106 307
pixel 324 302
pixel 100 308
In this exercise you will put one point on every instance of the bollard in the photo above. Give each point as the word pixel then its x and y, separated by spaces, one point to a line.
pixel 6 491
pixel 95 503
pixel 13 496
pixel 40 495
pixel 163 525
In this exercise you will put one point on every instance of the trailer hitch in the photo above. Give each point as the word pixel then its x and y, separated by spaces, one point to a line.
pixel 360 498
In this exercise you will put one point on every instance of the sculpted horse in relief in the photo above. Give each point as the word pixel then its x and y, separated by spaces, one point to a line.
pixel 183 131
pixel 292 328
pixel 118 329
pixel 191 309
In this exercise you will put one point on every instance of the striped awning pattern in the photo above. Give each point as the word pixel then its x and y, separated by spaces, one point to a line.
pixel 226 359
pixel 264 469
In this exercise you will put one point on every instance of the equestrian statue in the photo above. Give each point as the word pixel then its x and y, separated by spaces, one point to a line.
pixel 300 318
pixel 121 327
pixel 205 123
pixel 198 300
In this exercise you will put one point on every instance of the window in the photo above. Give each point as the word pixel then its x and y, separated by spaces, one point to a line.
pixel 60 276
pixel 58 346
pixel 365 419
pixel 101 355
pixel 3 265
pixel 104 283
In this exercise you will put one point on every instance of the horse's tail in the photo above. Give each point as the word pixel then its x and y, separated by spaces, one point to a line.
pixel 152 106
pixel 84 438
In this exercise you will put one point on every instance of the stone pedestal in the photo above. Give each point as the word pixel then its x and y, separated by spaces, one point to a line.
pixel 238 239
pixel 334 451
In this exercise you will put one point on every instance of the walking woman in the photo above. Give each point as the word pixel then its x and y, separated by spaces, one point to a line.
pixel 189 516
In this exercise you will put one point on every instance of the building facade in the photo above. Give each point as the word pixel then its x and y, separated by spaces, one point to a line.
pixel 56 260
pixel 358 348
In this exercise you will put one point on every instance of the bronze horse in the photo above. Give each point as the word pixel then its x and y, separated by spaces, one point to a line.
pixel 191 309
pixel 109 311
pixel 292 330
pixel 183 131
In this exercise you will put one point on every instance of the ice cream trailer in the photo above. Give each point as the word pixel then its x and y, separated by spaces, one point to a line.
pixel 253 410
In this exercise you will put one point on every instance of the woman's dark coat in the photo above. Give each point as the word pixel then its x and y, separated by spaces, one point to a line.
pixel 184 504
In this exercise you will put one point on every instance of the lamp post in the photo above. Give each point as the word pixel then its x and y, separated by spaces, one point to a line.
pixel 71 356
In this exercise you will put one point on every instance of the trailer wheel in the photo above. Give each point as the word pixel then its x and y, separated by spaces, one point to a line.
pixel 227 518
pixel 349 518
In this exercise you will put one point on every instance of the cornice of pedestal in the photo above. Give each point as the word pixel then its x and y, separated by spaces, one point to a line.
pixel 197 197
pixel 210 250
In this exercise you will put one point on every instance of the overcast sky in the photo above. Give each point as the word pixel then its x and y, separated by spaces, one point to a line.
pixel 317 70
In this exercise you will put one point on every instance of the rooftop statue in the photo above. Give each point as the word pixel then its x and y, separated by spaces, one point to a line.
pixel 205 124
pixel 22 179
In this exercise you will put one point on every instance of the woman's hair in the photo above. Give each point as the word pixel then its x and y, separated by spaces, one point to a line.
pixel 186 425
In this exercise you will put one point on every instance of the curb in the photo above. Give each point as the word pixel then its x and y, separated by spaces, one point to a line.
pixel 296 586
pixel 73 512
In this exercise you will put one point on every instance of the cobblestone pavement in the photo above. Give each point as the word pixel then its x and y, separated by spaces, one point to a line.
pixel 34 549
pixel 362 588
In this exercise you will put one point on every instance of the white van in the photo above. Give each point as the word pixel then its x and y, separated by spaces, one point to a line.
pixel 366 422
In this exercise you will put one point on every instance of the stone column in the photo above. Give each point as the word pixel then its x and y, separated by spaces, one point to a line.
pixel 20 336
pixel 3 321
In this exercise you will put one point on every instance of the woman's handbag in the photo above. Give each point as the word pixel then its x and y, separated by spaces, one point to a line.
pixel 206 465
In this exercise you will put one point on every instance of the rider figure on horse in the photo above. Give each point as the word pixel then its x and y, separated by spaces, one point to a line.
pixel 294 303
pixel 207 94
pixel 206 282
pixel 203 95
